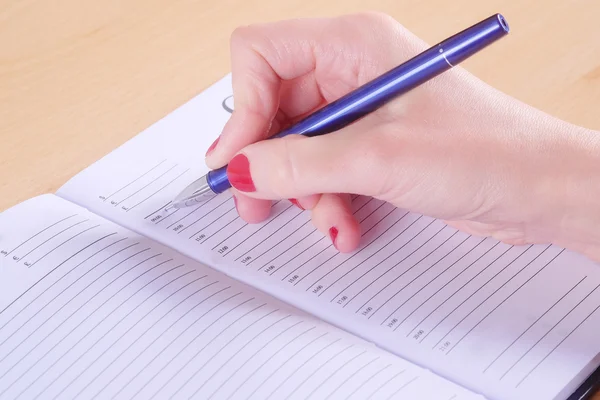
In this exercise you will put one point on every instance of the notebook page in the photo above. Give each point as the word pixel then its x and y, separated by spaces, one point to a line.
pixel 510 322
pixel 91 310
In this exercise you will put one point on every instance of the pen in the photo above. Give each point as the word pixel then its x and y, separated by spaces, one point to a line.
pixel 369 97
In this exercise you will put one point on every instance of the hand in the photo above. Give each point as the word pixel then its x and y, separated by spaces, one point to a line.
pixel 454 148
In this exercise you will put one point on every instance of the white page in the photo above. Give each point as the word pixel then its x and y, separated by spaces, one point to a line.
pixel 477 311
pixel 92 310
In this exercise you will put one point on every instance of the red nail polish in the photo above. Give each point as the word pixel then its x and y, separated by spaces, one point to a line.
pixel 333 232
pixel 238 172
pixel 295 202
pixel 212 147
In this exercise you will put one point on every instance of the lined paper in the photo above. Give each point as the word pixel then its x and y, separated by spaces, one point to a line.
pixel 521 318
pixel 92 310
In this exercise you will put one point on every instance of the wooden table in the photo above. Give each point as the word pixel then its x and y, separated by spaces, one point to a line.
pixel 80 77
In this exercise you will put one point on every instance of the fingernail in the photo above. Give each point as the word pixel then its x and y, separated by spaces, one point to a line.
pixel 295 202
pixel 212 147
pixel 333 232
pixel 238 172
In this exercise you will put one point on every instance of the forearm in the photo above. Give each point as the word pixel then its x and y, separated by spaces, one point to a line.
pixel 573 190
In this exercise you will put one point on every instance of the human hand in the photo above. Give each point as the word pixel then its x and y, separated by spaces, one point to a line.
pixel 454 148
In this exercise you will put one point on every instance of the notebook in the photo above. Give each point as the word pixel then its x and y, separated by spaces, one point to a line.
pixel 105 295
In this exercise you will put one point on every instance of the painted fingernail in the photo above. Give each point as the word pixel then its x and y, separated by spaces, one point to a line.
pixel 333 232
pixel 238 172
pixel 212 147
pixel 295 202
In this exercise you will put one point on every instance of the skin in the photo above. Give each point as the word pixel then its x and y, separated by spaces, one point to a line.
pixel 454 149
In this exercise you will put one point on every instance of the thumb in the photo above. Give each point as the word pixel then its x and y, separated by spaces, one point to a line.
pixel 296 166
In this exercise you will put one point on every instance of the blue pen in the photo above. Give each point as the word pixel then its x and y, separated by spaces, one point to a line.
pixel 369 97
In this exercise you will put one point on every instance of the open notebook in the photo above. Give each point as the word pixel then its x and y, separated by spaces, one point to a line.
pixel 106 295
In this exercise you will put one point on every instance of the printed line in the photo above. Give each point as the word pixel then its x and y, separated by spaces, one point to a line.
pixel 463 286
pixel 167 329
pixel 221 349
pixel 556 347
pixel 136 179
pixel 140 370
pixel 448 282
pixel 484 285
pixel 502 302
pixel 52 237
pixel 352 376
pixel 227 238
pixel 213 221
pixel 169 215
pixel 199 219
pixel 237 352
pixel 49 317
pixel 533 324
pixel 196 209
pixel 148 329
pixel 283 225
pixel 153 194
pixel 302 252
pixel 407 271
pixel 369 379
pixel 387 258
pixel 47 303
pixel 40 232
pixel 548 332
pixel 69 239
pixel 371 282
pixel 403 387
pixel 59 279
pixel 259 229
pixel 285 362
pixel 335 372
pixel 317 370
pixel 286 250
pixel 385 383
pixel 499 288
pixel 428 269
pixel 157 210
pixel 120 337
pixel 278 243
pixel 145 186
pixel 252 357
pixel 64 370
pixel 353 255
pixel 208 237
pixel 196 337
pixel 302 365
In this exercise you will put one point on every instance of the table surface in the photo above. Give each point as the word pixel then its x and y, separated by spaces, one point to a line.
pixel 80 77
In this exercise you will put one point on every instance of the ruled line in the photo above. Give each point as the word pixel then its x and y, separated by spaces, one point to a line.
pixel 136 179
pixel 52 237
pixel 39 233
pixel 387 258
pixel 145 186
pixel 533 324
pixel 267 361
pixel 548 332
pixel 66 241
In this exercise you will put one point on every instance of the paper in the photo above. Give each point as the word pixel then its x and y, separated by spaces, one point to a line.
pixel 511 322
pixel 102 312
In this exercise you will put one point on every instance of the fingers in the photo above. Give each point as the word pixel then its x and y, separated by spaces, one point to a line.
pixel 333 217
pixel 268 61
pixel 296 166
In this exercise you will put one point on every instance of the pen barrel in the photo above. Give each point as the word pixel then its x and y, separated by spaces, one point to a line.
pixel 412 73
pixel 378 92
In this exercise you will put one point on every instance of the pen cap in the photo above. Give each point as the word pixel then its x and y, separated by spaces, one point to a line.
pixel 464 44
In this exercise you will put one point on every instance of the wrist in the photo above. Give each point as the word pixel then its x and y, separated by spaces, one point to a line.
pixel 570 189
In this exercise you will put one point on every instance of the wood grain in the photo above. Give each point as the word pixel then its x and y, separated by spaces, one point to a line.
pixel 80 77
